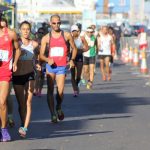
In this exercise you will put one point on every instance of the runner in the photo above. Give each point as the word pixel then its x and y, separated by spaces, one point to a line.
pixel 113 48
pixel 89 57
pixel 7 38
pixel 10 121
pixel 56 63
pixel 105 42
pixel 82 46
pixel 39 81
pixel 24 77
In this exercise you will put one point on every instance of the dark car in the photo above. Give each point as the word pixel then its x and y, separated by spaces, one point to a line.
pixel 137 29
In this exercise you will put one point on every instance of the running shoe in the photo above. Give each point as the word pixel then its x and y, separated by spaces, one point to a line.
pixel 22 131
pixel 60 114
pixel 11 122
pixel 54 118
pixel 83 82
pixel 75 94
pixel 5 136
pixel 89 85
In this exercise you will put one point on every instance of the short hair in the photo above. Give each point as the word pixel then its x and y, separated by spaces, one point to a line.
pixel 54 16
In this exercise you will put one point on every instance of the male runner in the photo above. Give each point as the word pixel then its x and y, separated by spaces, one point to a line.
pixel 56 63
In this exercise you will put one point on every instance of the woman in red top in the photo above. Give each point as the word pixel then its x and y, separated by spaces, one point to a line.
pixel 7 36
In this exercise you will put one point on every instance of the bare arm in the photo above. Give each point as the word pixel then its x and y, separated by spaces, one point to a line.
pixel 73 46
pixel 42 57
pixel 85 44
pixel 113 46
pixel 96 47
pixel 17 50
pixel 99 43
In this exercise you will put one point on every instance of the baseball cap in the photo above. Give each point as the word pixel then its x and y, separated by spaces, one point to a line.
pixel 89 29
pixel 74 28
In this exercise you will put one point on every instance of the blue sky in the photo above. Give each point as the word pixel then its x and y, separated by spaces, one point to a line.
pixel 117 5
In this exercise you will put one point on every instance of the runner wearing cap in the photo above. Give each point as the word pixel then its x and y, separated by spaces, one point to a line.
pixel 82 46
pixel 89 57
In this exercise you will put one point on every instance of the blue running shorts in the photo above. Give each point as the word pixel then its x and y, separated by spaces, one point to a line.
pixel 56 69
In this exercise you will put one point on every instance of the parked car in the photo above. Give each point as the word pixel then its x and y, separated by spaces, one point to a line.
pixel 137 29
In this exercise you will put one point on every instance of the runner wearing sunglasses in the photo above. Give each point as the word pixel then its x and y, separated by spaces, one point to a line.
pixel 56 64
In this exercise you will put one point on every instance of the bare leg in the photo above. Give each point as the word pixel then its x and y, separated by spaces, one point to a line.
pixel 86 72
pixel 92 67
pixel 19 92
pixel 50 92
pixel 60 80
pixel 102 66
pixel 4 90
pixel 10 108
pixel 107 61
pixel 29 88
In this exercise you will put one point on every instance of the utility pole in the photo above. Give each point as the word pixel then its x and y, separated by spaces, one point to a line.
pixel 142 9
pixel 132 11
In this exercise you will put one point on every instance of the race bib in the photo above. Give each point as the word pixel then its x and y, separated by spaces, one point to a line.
pixel 57 51
pixel 4 55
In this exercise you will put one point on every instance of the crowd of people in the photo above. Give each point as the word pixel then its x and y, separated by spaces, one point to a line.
pixel 26 61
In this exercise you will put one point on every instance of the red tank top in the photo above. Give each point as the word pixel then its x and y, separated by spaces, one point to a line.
pixel 6 53
pixel 58 50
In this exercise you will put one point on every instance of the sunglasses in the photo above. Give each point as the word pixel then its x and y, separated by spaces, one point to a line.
pixel 58 23
pixel 41 32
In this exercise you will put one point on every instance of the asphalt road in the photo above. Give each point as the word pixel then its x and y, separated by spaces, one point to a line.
pixel 115 115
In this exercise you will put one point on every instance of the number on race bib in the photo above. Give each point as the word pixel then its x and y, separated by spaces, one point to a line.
pixel 57 51
pixel 3 55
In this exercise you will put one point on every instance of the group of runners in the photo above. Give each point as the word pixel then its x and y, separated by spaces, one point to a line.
pixel 22 63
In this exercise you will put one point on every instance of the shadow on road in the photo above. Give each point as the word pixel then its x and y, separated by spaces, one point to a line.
pixel 78 113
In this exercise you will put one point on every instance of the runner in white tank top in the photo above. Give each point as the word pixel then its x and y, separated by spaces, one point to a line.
pixel 24 78
pixel 105 42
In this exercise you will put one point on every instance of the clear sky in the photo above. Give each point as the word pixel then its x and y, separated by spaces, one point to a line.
pixel 119 5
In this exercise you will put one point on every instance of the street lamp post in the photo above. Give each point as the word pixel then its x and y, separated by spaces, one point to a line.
pixel 14 14
pixel 110 7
